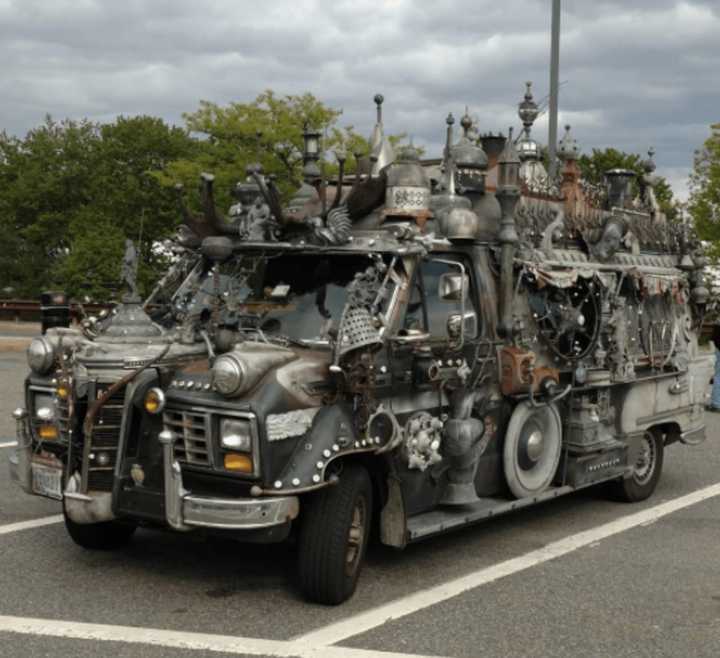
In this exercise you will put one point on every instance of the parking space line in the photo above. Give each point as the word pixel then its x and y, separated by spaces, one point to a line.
pixel 365 621
pixel 8 444
pixel 32 523
pixel 184 640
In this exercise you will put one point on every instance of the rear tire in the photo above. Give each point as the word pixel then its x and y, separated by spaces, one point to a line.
pixel 104 536
pixel 333 537
pixel 646 470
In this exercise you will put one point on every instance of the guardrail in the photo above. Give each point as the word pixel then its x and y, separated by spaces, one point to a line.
pixel 26 310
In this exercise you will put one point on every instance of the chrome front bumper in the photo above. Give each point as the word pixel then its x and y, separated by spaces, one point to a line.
pixel 185 511
pixel 19 458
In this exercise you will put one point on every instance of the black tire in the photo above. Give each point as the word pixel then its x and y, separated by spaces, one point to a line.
pixel 331 546
pixel 104 536
pixel 646 471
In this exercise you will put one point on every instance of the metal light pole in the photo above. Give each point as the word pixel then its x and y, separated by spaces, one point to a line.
pixel 554 86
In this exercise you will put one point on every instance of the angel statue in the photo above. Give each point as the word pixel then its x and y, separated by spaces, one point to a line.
pixel 129 272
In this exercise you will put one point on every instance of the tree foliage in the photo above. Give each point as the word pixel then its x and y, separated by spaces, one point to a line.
pixel 267 131
pixel 704 202
pixel 71 192
pixel 595 165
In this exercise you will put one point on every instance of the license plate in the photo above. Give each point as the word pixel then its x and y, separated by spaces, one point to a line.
pixel 47 481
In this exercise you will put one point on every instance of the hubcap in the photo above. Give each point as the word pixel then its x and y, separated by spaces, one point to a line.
pixel 356 536
pixel 535 446
pixel 646 460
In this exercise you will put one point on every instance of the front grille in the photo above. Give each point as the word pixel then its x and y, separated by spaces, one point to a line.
pixel 104 439
pixel 192 429
pixel 62 407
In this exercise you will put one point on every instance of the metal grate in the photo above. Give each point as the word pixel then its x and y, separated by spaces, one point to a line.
pixel 191 428
pixel 105 438
pixel 62 407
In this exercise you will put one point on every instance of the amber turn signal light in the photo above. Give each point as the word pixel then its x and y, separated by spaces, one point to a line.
pixel 48 432
pixel 154 401
pixel 240 463
pixel 62 391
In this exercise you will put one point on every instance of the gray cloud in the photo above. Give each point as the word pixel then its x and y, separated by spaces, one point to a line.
pixel 635 73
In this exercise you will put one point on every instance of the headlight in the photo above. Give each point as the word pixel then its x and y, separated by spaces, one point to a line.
pixel 235 435
pixel 228 374
pixel 40 355
pixel 42 405
pixel 154 401
pixel 45 414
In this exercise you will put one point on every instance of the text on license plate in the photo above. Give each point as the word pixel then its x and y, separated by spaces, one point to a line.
pixel 47 481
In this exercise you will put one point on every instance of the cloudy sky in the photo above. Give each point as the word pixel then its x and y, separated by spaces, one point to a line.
pixel 635 73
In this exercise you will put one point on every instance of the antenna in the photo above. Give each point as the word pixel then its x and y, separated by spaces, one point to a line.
pixel 554 87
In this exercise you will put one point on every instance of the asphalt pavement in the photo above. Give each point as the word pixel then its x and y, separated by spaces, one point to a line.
pixel 577 576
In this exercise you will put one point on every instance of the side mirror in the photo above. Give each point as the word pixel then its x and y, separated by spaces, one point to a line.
pixel 453 287
pixel 460 327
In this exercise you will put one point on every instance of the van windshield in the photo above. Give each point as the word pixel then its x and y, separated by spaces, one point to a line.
pixel 301 296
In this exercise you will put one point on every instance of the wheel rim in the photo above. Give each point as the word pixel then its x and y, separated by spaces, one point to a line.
pixel 356 536
pixel 646 460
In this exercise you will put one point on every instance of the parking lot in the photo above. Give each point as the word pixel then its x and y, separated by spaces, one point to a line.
pixel 578 576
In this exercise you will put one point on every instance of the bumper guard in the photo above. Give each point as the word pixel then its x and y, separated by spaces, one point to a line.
pixel 184 511
pixel 19 459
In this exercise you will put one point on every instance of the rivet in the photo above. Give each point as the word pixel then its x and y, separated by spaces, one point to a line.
pixel 296 482
pixel 357 444
pixel 278 484
pixel 326 453
pixel 377 440
pixel 336 447
pixel 316 478
pixel 319 465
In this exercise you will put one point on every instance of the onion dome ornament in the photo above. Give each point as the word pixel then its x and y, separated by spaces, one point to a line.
pixel 532 171
pixel 469 159
pixel 407 193
pixel 568 148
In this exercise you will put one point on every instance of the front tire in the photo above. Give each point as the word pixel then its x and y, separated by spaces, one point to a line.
pixel 646 470
pixel 104 536
pixel 334 536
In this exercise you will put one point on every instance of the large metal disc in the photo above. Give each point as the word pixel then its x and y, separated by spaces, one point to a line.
pixel 532 449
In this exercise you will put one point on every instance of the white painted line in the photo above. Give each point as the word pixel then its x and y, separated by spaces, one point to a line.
pixel 181 640
pixel 407 605
pixel 8 444
pixel 27 525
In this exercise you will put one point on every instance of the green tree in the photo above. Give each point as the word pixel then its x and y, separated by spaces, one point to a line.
pixel 595 165
pixel 704 202
pixel 43 181
pixel 67 180
pixel 269 131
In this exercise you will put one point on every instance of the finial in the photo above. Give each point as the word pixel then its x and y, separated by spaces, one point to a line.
pixel 379 99
pixel 450 119
pixel 466 122
pixel 528 109
pixel 649 164
pixel 568 149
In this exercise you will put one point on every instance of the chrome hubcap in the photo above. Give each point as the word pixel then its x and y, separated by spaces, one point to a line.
pixel 535 446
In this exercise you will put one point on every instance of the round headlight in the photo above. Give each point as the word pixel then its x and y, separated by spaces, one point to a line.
pixel 40 355
pixel 228 374
pixel 154 401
